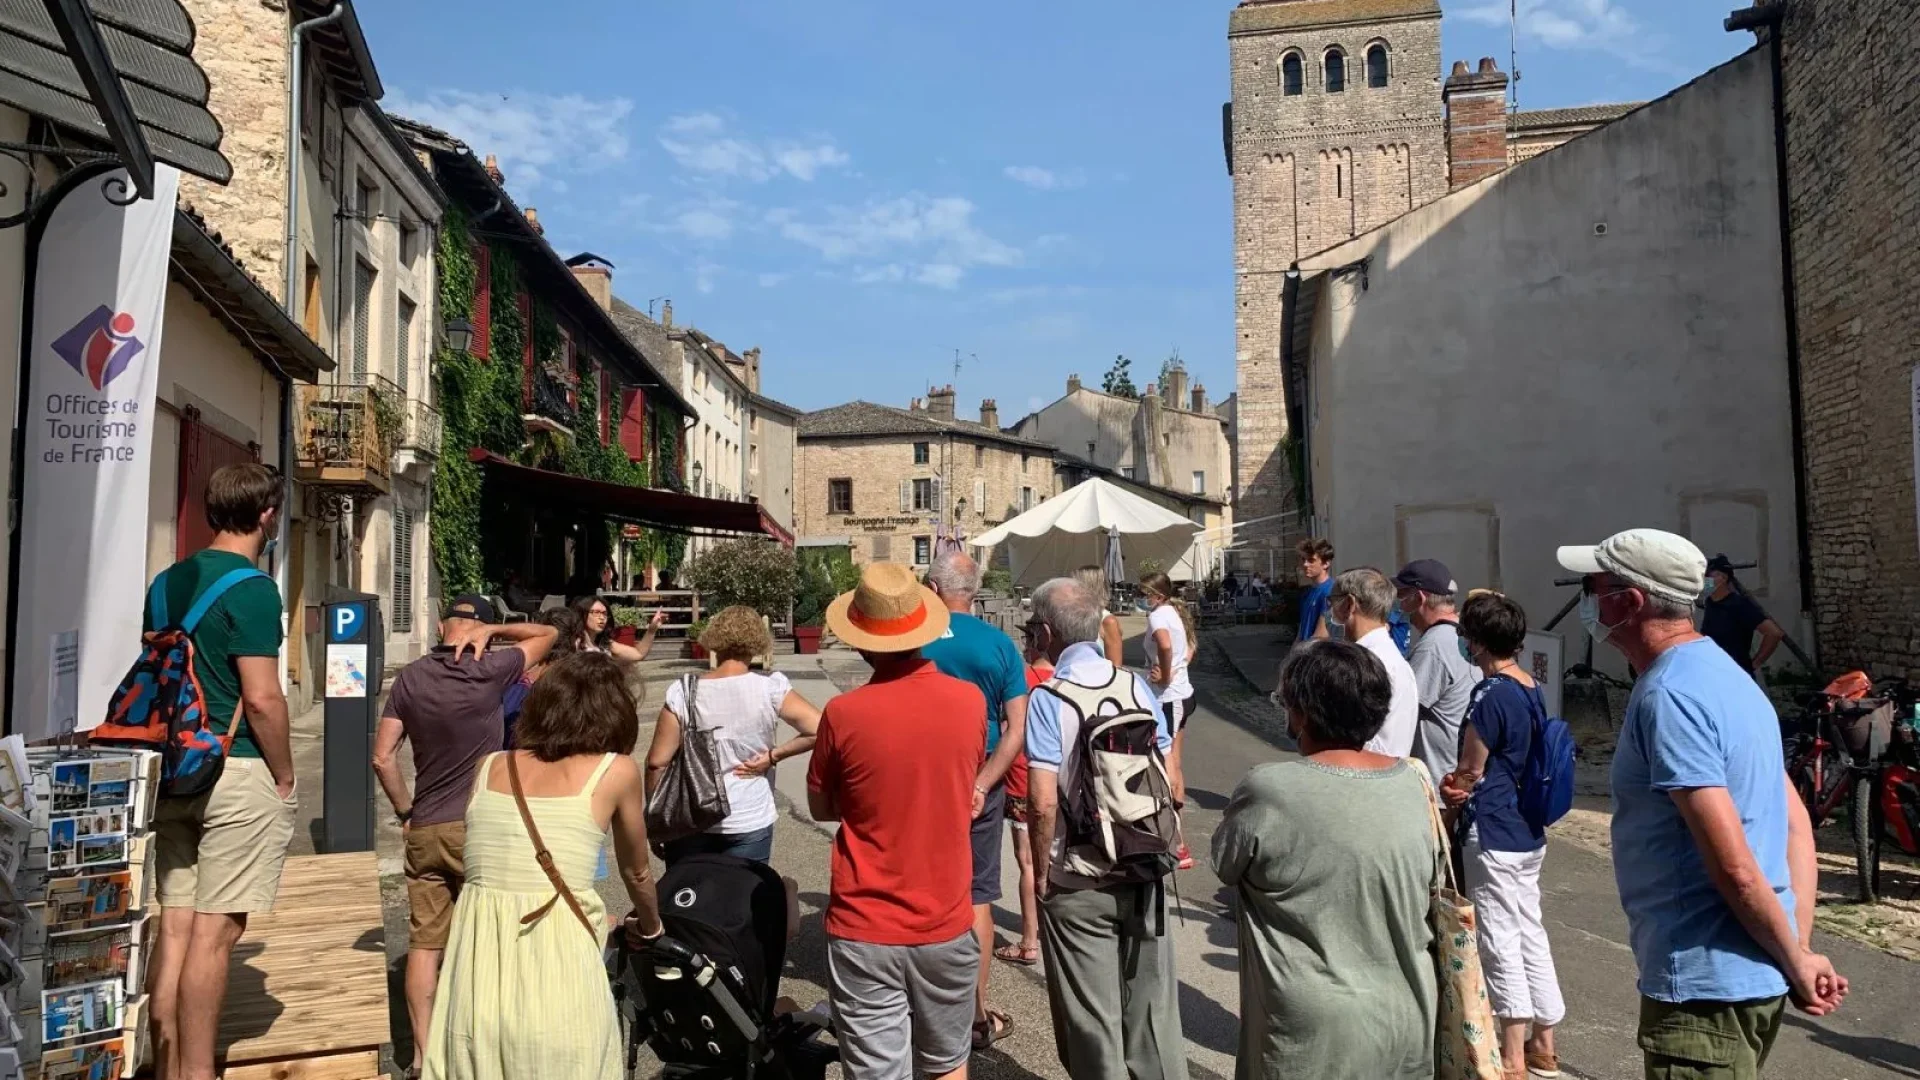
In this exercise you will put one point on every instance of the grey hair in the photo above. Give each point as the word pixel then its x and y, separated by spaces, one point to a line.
pixel 1659 607
pixel 1372 594
pixel 1439 601
pixel 1093 579
pixel 954 574
pixel 1069 610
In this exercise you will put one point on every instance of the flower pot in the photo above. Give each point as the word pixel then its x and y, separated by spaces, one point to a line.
pixel 696 650
pixel 806 640
pixel 626 635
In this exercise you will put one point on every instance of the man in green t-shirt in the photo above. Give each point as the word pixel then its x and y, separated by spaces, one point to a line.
pixel 219 853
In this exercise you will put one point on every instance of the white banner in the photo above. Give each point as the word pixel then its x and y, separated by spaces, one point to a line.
pixel 99 296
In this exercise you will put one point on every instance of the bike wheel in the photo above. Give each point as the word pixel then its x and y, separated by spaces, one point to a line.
pixel 1866 836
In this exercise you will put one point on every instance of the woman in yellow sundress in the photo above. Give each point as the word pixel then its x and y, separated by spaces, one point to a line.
pixel 523 998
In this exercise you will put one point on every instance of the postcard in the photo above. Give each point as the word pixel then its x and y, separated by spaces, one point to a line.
pixel 72 785
pixel 89 901
pixel 93 956
pixel 77 1013
pixel 88 839
pixel 16 778
pixel 94 1061
pixel 111 782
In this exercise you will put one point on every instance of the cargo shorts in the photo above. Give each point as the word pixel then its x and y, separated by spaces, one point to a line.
pixel 436 868
pixel 220 852
pixel 1708 1040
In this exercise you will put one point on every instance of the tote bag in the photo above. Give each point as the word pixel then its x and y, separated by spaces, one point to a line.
pixel 1466 1042
pixel 692 796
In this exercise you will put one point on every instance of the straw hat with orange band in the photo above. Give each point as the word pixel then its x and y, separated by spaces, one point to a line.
pixel 888 612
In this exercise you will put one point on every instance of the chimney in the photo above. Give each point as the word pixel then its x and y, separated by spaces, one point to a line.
pixel 1073 383
pixel 597 279
pixel 916 406
pixel 493 171
pixel 1174 393
pixel 990 414
pixel 1153 391
pixel 533 219
pixel 1199 398
pixel 752 357
pixel 1476 122
pixel 666 314
pixel 940 403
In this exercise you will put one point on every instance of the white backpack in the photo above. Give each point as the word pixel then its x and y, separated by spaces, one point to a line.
pixel 1119 822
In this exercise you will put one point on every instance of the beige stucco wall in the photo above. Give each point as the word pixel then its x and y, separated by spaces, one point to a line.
pixel 1566 375
pixel 991 481
pixel 772 450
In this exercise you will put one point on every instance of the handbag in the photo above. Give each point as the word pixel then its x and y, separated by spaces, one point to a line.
pixel 1466 1040
pixel 545 858
pixel 692 794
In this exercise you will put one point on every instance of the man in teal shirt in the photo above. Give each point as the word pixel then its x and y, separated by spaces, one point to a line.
pixel 985 656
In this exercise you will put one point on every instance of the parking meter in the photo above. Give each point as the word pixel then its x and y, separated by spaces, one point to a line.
pixel 355 664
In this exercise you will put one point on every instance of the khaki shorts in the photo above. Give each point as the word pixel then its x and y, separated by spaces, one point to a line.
pixel 436 868
pixel 220 852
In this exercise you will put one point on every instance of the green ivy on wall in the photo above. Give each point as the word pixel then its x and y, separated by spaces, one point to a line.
pixel 480 405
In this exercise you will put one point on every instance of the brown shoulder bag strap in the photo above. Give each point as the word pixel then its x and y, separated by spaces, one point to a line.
pixel 544 857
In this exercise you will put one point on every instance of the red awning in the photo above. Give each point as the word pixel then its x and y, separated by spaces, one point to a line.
pixel 652 507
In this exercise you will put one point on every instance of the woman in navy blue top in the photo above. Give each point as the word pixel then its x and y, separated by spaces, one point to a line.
pixel 1503 853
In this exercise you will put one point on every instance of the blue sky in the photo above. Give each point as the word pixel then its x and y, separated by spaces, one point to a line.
pixel 861 188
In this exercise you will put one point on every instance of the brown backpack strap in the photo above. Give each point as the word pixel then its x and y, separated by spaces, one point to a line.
pixel 544 858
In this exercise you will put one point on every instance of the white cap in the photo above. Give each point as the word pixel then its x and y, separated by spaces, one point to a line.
pixel 1664 564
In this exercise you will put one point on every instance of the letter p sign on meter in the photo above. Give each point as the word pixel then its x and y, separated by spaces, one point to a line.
pixel 347 618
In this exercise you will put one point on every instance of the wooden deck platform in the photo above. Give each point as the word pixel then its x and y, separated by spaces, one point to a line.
pixel 307 993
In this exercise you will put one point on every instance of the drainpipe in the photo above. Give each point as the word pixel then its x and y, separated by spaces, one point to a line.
pixel 1767 18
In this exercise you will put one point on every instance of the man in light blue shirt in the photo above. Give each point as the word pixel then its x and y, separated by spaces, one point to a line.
pixel 1713 851
pixel 1086 928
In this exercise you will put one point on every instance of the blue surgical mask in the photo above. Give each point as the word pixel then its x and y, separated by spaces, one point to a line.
pixel 1465 653
pixel 272 545
pixel 1590 618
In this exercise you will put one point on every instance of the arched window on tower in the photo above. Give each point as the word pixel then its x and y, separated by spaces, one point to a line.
pixel 1292 78
pixel 1336 71
pixel 1377 65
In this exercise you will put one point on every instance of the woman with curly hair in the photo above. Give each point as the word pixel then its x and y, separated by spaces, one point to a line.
pixel 743 708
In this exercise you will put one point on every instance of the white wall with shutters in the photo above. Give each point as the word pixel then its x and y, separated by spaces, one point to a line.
pixel 402 614
pixel 362 320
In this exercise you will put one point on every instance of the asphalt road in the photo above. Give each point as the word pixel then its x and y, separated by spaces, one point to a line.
pixel 1876 1035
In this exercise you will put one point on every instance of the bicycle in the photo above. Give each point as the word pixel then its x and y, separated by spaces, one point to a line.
pixel 1822 762
pixel 1886 799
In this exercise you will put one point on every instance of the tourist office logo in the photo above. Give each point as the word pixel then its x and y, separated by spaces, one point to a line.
pixel 93 428
pixel 100 346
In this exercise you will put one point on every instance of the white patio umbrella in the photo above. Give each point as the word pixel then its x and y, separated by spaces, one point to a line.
pixel 1094 523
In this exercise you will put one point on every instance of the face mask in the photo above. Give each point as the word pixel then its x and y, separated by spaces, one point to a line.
pixel 1465 653
pixel 1590 618
pixel 272 545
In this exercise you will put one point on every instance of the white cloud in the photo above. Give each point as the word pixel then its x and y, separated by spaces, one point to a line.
pixel 768 281
pixel 1041 179
pixel 709 220
pixel 1056 327
pixel 930 241
pixel 537 137
pixel 704 275
pixel 701 143
pixel 1601 25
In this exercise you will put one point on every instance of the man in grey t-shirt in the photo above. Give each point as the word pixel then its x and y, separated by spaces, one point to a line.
pixel 1440 669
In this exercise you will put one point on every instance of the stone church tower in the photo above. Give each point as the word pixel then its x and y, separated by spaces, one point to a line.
pixel 1336 126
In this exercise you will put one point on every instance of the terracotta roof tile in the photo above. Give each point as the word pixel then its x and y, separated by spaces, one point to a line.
pixel 1569 117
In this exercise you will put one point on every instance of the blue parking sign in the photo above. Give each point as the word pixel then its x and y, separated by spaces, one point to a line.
pixel 346 621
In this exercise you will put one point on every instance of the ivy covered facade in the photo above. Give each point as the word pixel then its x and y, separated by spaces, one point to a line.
pixel 547 382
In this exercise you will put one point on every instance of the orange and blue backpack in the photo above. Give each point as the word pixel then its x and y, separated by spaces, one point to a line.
pixel 160 705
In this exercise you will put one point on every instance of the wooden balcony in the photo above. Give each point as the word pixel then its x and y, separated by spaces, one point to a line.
pixel 345 435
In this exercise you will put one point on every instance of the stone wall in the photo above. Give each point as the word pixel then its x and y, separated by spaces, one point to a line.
pixel 1310 171
pixel 1853 179
pixel 242 45
pixel 989 475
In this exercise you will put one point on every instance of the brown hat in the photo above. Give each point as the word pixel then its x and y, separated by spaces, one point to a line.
pixel 889 611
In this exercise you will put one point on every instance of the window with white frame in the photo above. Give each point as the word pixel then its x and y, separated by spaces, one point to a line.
pixel 1026 499
pixel 922 550
pixel 402 569
pixel 1199 481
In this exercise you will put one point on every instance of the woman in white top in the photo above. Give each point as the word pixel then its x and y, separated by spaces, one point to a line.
pixel 1094 580
pixel 596 635
pixel 743 709
pixel 1169 648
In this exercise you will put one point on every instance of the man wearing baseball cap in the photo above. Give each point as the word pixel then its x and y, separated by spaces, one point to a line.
pixel 894 763
pixel 1440 669
pixel 449 704
pixel 1713 852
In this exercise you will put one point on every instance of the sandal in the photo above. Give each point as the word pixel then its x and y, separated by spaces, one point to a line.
pixel 1024 955
pixel 998 1025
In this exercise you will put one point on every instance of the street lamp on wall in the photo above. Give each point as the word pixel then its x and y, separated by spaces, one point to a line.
pixel 698 471
pixel 459 335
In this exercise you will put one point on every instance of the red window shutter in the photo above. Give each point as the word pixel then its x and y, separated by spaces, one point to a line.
pixel 633 423
pixel 606 395
pixel 482 302
pixel 526 353
pixel 571 361
pixel 203 452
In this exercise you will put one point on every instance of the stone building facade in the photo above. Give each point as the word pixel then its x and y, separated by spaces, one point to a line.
pixel 1170 437
pixel 1851 106
pixel 1338 124
pixel 891 482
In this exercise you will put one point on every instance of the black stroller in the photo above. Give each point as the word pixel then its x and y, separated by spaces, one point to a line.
pixel 702 996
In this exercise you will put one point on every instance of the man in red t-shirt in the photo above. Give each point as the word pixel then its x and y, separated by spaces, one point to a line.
pixel 894 764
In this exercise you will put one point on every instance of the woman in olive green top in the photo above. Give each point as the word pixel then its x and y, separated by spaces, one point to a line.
pixel 1333 860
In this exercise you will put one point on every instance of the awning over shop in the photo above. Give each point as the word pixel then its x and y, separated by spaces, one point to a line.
pixel 652 507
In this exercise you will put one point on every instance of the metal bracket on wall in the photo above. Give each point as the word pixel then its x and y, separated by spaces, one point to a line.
pixel 115 188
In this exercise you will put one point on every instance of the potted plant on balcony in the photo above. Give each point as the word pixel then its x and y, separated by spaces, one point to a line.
pixel 626 624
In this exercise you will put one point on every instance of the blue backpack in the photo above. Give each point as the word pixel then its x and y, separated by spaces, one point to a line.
pixel 1546 785
pixel 160 704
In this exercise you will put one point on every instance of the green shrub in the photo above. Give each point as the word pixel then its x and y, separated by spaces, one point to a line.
pixel 757 573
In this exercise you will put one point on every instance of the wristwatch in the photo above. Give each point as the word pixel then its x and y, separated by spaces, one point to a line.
pixel 403 816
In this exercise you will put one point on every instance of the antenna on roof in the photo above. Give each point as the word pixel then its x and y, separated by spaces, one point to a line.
pixel 1513 54
pixel 652 301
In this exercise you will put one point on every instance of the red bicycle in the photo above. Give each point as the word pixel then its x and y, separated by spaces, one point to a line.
pixel 1823 761
pixel 1886 801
